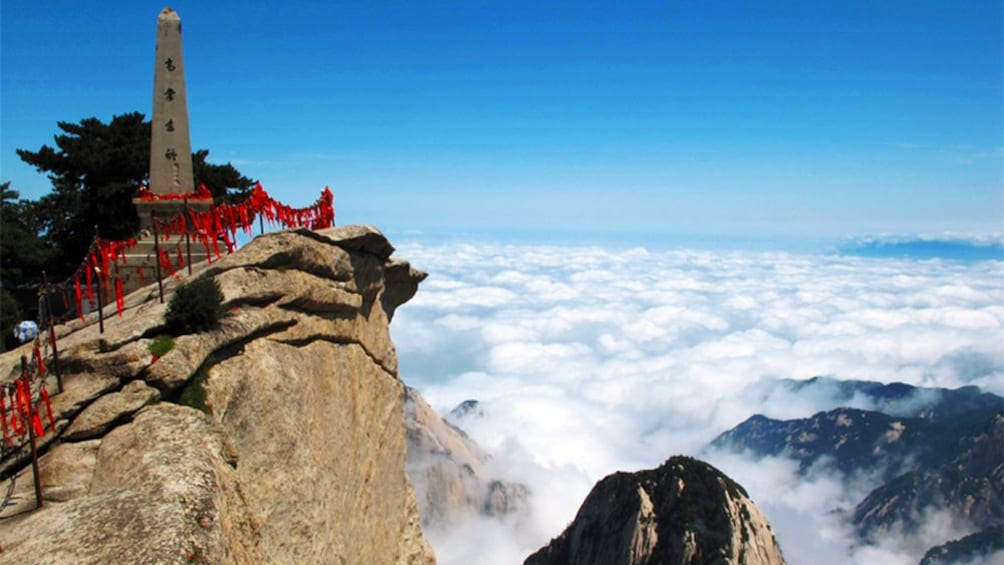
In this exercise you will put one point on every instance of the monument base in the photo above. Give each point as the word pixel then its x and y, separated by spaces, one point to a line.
pixel 165 210
pixel 172 254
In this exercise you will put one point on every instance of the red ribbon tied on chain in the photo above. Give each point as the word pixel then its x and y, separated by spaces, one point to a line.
pixel 211 226
pixel 87 275
pixel 78 296
pixel 39 431
pixel 22 410
pixel 165 262
pixel 48 409
pixel 119 298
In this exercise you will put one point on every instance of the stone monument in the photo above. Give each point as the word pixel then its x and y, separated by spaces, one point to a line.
pixel 170 146
pixel 171 176
pixel 172 186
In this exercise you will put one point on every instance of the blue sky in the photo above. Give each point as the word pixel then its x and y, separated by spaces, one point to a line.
pixel 783 118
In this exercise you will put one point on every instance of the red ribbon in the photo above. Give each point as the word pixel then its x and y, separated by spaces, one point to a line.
pixel 201 194
pixel 119 298
pixel 48 409
pixel 165 261
pixel 39 431
pixel 87 275
pixel 219 222
pixel 22 407
pixel 78 296
pixel 15 425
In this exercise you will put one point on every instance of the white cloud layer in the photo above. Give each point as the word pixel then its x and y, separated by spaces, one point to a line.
pixel 590 360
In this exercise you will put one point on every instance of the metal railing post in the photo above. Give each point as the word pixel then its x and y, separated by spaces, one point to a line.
pixel 97 282
pixel 31 431
pixel 156 251
pixel 188 237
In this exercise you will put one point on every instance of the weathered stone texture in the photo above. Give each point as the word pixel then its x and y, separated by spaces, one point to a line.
pixel 685 512
pixel 452 475
pixel 98 418
pixel 298 455
pixel 332 446
pixel 170 145
pixel 161 492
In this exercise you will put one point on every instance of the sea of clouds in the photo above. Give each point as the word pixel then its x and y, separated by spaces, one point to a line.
pixel 593 359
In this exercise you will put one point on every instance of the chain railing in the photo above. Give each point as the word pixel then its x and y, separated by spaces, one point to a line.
pixel 25 405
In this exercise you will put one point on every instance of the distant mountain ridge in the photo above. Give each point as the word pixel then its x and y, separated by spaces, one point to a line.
pixel 899 399
pixel 944 248
pixel 909 425
pixel 970 485
pixel 936 449
pixel 966 549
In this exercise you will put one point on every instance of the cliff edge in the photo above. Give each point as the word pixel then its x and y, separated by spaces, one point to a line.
pixel 277 438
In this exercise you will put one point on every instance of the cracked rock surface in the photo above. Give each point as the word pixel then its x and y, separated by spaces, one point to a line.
pixel 685 511
pixel 452 475
pixel 276 438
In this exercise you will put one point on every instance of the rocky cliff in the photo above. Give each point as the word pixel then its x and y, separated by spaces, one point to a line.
pixel 451 473
pixel 970 487
pixel 278 437
pixel 683 512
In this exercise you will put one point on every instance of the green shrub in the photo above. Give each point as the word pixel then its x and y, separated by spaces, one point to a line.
pixel 161 345
pixel 195 307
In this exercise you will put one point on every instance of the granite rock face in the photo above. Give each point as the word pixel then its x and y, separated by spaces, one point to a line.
pixel 452 475
pixel 104 412
pixel 278 437
pixel 160 491
pixel 683 512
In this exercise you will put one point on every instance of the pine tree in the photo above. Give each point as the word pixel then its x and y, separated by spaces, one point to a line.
pixel 96 169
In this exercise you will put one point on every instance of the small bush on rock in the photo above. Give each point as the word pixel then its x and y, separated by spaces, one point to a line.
pixel 195 307
pixel 161 346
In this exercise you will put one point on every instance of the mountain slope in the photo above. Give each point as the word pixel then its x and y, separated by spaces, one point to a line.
pixel 685 511
pixel 450 472
pixel 276 438
pixel 913 428
pixel 970 487
pixel 937 451
pixel 986 544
